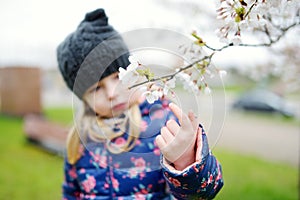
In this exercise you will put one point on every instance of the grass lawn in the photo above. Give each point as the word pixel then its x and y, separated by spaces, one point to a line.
pixel 27 172
pixel 250 178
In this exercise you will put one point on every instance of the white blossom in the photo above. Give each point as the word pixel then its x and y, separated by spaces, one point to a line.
pixel 239 17
pixel 236 40
pixel 222 73
pixel 269 18
pixel 130 75
pixel 207 90
pixel 169 85
pixel 187 82
pixel 209 73
pixel 152 96
pixel 134 63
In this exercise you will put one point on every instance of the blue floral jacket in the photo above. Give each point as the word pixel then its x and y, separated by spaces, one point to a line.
pixel 141 173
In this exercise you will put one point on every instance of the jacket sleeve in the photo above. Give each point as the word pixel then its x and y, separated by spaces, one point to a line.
pixel 70 187
pixel 201 180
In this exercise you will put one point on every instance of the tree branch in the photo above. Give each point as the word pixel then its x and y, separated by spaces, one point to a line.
pixel 251 7
pixel 209 57
pixel 272 41
pixel 170 76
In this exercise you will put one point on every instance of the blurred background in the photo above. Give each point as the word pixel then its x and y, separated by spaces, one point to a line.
pixel 255 107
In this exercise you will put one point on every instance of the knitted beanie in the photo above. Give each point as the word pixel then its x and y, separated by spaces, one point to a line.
pixel 92 52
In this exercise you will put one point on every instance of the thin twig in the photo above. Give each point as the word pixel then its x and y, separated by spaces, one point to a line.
pixel 218 49
pixel 251 7
pixel 272 41
pixel 170 76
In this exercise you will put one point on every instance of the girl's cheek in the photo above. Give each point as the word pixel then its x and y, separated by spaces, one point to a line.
pixel 121 88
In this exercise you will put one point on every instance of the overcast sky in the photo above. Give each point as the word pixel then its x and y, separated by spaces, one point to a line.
pixel 32 29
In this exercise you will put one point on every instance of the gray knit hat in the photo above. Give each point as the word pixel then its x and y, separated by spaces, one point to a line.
pixel 92 52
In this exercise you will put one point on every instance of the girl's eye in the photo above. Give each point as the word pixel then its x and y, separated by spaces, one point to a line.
pixel 97 88
pixel 116 76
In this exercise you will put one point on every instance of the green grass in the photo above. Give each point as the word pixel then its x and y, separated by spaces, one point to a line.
pixel 250 178
pixel 62 115
pixel 27 172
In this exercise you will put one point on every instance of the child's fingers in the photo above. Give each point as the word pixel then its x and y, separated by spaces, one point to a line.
pixel 173 126
pixel 160 142
pixel 183 119
pixel 166 134
pixel 177 111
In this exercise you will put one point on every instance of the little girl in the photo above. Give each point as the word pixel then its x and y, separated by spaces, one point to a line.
pixel 122 147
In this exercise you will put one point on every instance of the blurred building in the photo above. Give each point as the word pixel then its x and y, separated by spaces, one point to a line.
pixel 20 91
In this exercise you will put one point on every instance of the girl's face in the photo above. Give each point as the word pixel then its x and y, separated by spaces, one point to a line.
pixel 110 98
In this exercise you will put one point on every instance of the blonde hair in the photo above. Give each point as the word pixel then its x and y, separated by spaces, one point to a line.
pixel 94 128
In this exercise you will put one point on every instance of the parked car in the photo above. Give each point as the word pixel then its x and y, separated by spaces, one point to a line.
pixel 263 101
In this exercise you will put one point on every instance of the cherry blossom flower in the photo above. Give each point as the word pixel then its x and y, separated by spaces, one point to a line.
pixel 270 18
pixel 169 85
pixel 267 16
pixel 134 63
pixel 152 96
pixel 188 84
pixel 236 16
pixel 236 40
pixel 207 90
pixel 222 73
pixel 130 75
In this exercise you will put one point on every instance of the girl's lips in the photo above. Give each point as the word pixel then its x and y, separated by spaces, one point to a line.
pixel 120 106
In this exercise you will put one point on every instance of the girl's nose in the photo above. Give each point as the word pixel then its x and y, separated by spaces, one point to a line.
pixel 111 91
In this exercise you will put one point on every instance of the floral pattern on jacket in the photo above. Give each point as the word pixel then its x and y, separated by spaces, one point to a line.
pixel 141 173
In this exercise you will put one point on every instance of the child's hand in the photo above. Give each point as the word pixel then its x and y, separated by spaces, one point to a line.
pixel 177 143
